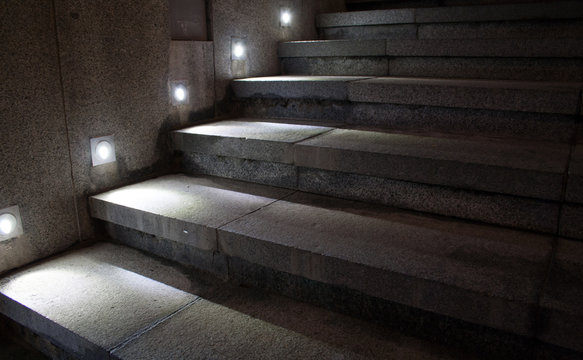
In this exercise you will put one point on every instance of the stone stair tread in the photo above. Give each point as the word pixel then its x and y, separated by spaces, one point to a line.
pixel 85 305
pixel 381 251
pixel 171 206
pixel 539 48
pixel 248 138
pixel 211 331
pixel 507 166
pixel 504 95
pixel 315 87
pixel 460 254
pixel 88 305
pixel 472 13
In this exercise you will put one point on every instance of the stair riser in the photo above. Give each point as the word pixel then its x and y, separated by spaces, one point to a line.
pixel 496 209
pixel 381 284
pixel 439 67
pixel 550 29
pixel 467 94
pixel 546 127
pixel 186 253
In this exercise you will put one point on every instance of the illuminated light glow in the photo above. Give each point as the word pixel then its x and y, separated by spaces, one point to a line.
pixel 285 17
pixel 179 93
pixel 104 149
pixel 238 51
pixel 8 224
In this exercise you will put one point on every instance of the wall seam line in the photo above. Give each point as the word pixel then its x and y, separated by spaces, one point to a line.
pixel 65 117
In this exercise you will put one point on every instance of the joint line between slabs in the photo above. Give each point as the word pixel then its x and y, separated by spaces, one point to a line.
pixel 146 329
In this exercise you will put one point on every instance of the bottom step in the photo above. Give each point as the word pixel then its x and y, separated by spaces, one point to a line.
pixel 96 303
pixel 482 275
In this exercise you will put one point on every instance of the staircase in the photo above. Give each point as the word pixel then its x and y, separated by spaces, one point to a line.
pixel 419 165
pixel 422 167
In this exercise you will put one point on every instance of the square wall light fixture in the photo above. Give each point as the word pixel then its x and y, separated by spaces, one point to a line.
pixel 102 150
pixel 10 223
pixel 179 92
pixel 238 49
pixel 285 17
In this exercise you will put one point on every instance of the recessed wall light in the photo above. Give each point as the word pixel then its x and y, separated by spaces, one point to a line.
pixel 102 150
pixel 179 92
pixel 285 17
pixel 238 49
pixel 10 223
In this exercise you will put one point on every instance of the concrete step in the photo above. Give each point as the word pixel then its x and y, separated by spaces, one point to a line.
pixel 101 302
pixel 477 274
pixel 417 118
pixel 529 20
pixel 537 48
pixel 524 96
pixel 510 183
pixel 510 59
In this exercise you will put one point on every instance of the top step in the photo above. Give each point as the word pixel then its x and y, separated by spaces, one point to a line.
pixel 559 19
pixel 505 12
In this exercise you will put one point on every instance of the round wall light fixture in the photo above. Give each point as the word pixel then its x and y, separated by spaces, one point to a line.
pixel 10 223
pixel 102 150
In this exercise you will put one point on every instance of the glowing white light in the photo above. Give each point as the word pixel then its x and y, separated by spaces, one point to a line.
pixel 104 150
pixel 179 93
pixel 238 51
pixel 285 17
pixel 8 224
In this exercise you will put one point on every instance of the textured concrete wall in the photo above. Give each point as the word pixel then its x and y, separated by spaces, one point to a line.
pixel 258 23
pixel 72 70
pixel 35 171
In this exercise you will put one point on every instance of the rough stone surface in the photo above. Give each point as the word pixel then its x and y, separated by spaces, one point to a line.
pixel 181 208
pixel 191 62
pixel 523 169
pixel 538 48
pixel 259 25
pixel 486 68
pixel 311 87
pixel 427 263
pixel 205 324
pixel 356 18
pixel 321 48
pixel 262 172
pixel 560 98
pixel 245 138
pixel 423 119
pixel 549 48
pixel 343 66
pixel 501 12
pixel 115 67
pixel 179 252
pixel 404 31
pixel 502 210
pixel 36 172
pixel 575 181
pixel 571 225
pixel 549 29
pixel 562 315
pixel 86 305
